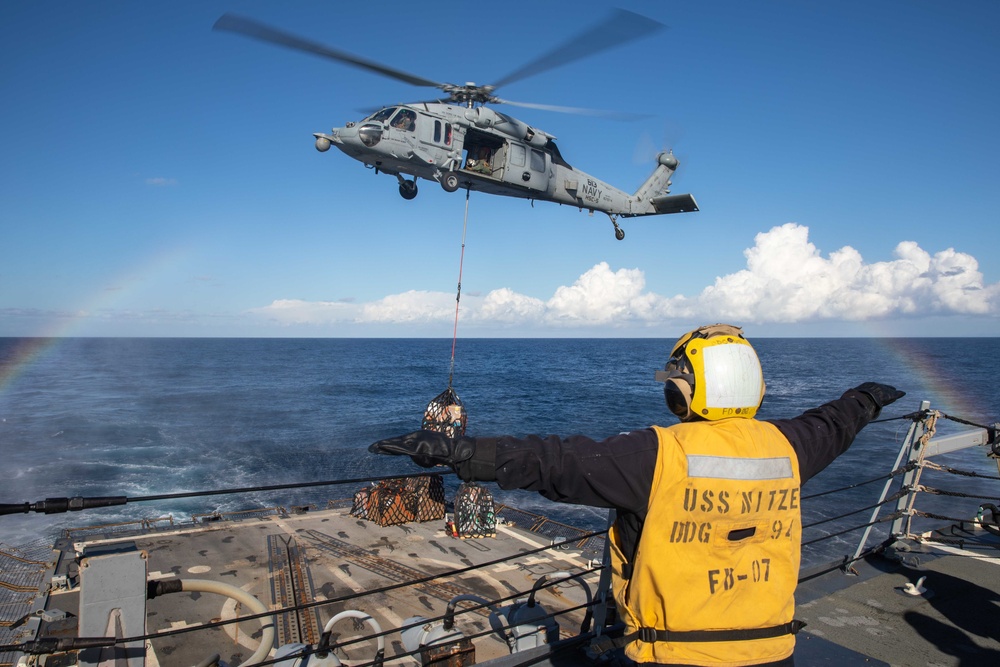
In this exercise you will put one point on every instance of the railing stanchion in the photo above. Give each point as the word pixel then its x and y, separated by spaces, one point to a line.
pixel 909 477
pixel 907 446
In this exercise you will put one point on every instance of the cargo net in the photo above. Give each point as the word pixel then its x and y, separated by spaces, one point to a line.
pixel 475 514
pixel 391 502
pixel 446 414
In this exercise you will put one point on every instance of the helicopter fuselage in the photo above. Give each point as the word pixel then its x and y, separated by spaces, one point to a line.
pixel 483 150
pixel 460 142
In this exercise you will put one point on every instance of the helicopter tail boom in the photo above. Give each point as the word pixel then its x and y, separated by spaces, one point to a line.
pixel 659 181
pixel 654 196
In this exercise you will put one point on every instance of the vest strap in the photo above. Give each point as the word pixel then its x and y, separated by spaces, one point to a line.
pixel 650 635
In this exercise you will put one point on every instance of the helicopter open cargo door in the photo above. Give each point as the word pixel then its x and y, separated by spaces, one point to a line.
pixel 526 166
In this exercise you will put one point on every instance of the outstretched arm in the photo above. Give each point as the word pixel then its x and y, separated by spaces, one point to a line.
pixel 616 472
pixel 822 434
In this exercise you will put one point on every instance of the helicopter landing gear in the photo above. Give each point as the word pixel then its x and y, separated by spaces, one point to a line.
pixel 407 189
pixel 449 181
pixel 619 232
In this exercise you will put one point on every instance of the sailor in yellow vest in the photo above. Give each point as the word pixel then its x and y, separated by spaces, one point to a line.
pixel 706 544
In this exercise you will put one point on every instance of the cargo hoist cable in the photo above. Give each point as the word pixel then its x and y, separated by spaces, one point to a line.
pixel 458 295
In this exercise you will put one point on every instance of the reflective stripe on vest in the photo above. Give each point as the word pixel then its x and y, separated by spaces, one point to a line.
pixel 727 467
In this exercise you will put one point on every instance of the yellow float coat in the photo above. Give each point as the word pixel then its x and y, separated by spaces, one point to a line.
pixel 720 546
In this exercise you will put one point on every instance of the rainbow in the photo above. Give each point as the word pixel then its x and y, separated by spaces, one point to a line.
pixel 945 393
pixel 20 356
pixel 23 352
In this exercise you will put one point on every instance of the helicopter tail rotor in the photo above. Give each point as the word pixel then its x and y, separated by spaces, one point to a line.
pixel 648 150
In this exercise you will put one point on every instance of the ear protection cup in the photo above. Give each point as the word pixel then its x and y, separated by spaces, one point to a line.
pixel 678 393
pixel 678 388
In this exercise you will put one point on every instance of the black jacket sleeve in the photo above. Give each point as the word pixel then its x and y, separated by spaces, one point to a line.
pixel 618 472
pixel 614 473
pixel 820 435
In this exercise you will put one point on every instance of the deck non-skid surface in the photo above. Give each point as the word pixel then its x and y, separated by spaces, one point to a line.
pixel 331 555
pixel 956 622
pixel 346 563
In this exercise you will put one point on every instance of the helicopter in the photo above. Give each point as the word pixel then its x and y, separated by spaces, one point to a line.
pixel 459 141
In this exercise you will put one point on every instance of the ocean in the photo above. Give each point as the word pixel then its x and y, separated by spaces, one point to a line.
pixel 141 416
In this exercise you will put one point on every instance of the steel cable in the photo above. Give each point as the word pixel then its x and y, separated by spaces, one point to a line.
pixel 458 295
pixel 890 517
pixel 275 487
pixel 896 496
pixel 952 494
pixel 483 633
pixel 956 471
pixel 897 471
pixel 470 609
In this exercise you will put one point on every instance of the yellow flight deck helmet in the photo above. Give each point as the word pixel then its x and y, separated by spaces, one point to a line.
pixel 713 373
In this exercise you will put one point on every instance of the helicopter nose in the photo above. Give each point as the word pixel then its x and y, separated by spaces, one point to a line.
pixel 345 138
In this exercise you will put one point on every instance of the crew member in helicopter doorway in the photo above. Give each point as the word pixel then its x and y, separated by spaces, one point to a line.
pixel 707 540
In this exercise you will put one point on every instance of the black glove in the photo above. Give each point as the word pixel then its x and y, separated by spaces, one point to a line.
pixel 880 394
pixel 428 448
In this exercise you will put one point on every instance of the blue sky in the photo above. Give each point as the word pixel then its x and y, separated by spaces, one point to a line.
pixel 159 178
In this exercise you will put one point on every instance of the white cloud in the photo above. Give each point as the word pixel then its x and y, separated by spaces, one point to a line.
pixel 786 280
pixel 602 296
pixel 506 306
pixel 412 306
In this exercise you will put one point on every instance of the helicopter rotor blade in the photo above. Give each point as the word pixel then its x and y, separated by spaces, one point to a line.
pixel 251 28
pixel 621 27
pixel 580 111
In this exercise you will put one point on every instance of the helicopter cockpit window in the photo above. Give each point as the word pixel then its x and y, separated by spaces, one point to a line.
pixel 406 119
pixel 383 115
